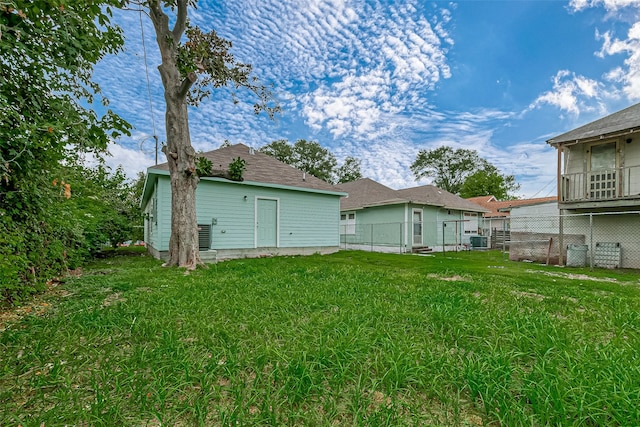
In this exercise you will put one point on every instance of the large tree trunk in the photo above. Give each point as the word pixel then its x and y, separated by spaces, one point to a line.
pixel 183 243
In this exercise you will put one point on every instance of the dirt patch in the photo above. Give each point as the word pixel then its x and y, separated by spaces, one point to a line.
pixel 454 278
pixel 113 299
pixel 532 295
pixel 573 276
pixel 37 305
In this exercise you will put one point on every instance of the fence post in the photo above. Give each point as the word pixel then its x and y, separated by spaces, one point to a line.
pixel 561 239
pixel 444 224
pixel 372 237
pixel 591 240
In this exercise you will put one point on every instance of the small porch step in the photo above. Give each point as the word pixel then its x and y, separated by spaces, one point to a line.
pixel 421 249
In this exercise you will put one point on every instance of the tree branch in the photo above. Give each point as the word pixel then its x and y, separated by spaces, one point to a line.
pixel 181 20
pixel 186 84
pixel 160 20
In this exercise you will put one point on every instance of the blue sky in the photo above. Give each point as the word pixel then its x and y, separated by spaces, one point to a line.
pixel 381 80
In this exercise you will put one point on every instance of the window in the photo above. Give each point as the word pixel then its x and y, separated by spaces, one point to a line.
pixel 470 223
pixel 348 223
pixel 417 226
pixel 204 237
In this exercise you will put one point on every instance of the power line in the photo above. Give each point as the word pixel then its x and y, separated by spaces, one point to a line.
pixel 542 189
pixel 146 68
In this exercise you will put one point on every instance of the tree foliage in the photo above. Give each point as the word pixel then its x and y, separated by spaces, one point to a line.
pixel 48 49
pixel 314 159
pixel 462 171
pixel 489 181
pixel 47 52
pixel 193 63
pixel 349 170
pixel 82 210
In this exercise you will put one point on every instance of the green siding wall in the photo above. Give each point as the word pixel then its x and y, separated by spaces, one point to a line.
pixel 436 218
pixel 380 225
pixel 381 215
pixel 151 229
pixel 387 225
pixel 305 219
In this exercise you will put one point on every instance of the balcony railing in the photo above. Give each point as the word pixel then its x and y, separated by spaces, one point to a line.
pixel 601 185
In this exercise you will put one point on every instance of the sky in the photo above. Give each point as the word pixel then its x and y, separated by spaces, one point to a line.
pixel 381 80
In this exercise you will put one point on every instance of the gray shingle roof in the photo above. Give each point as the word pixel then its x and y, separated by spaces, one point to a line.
pixel 262 168
pixel 367 192
pixel 626 119
pixel 431 195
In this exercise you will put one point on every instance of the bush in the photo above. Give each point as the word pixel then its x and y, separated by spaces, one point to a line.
pixel 59 225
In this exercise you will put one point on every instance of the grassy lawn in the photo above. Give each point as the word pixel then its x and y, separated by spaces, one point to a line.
pixel 348 339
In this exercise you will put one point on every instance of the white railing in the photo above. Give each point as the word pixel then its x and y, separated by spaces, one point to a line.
pixel 601 185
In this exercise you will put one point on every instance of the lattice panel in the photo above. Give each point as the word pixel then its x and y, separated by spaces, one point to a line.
pixel 602 185
pixel 607 255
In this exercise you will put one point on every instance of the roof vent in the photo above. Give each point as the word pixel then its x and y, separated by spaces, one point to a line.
pixel 304 176
pixel 251 151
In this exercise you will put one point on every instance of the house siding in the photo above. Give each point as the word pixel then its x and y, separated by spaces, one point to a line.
pixel 453 232
pixel 164 213
pixel 632 159
pixel 151 229
pixel 305 219
pixel 387 226
pixel 379 225
pixel 628 157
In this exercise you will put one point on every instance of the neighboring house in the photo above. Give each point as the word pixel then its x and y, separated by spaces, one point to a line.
pixel 377 217
pixel 599 172
pixel 498 216
pixel 276 209
pixel 599 164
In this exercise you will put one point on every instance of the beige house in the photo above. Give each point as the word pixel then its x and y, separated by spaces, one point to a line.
pixel 599 186
pixel 599 164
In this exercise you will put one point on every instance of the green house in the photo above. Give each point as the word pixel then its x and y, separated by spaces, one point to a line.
pixel 418 219
pixel 275 210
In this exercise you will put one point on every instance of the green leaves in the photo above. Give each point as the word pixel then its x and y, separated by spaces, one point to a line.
pixel 462 172
pixel 314 159
pixel 204 166
pixel 236 168
pixel 48 49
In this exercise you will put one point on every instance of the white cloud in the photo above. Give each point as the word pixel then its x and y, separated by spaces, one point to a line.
pixel 609 5
pixel 571 93
pixel 629 75
pixel 133 161
pixel 395 52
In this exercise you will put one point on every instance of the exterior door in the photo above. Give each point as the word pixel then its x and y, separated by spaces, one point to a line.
pixel 267 223
pixel 417 227
pixel 602 171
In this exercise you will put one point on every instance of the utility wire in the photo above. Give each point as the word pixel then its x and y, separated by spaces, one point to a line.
pixel 146 68
pixel 542 189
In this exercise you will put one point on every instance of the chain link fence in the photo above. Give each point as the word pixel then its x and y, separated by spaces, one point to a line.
pixel 606 240
pixel 601 240
pixel 400 237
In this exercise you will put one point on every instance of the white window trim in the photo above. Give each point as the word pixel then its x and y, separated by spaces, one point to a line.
pixel 471 225
pixel 421 211
pixel 348 226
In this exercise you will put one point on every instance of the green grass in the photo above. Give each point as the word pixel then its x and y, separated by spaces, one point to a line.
pixel 348 339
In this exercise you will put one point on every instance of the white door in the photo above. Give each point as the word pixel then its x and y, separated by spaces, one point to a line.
pixel 267 223
pixel 417 227
pixel 602 171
